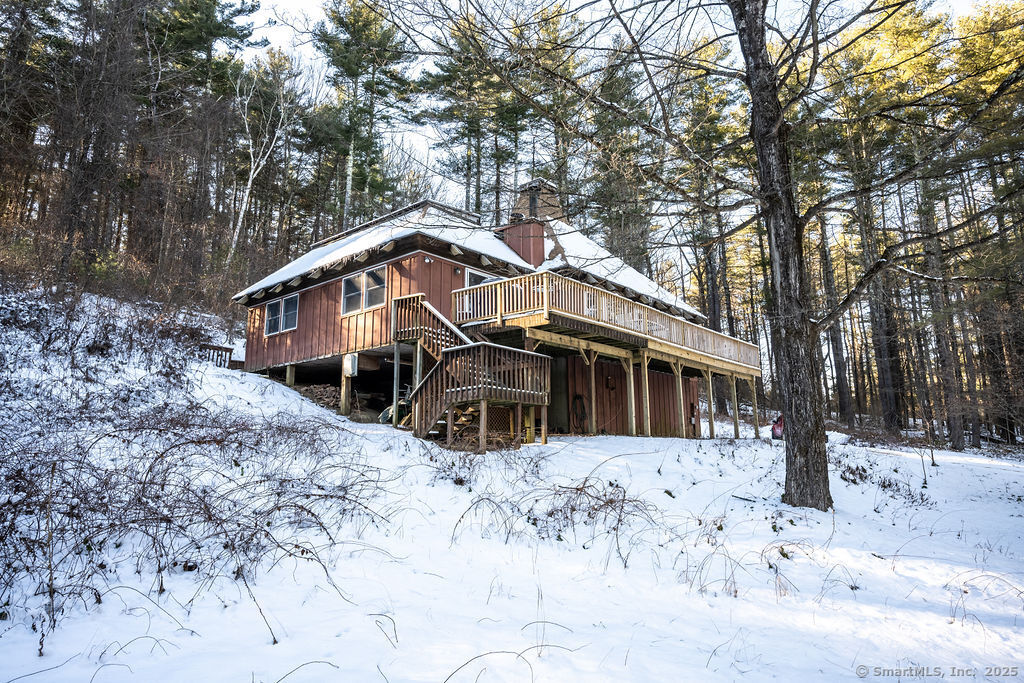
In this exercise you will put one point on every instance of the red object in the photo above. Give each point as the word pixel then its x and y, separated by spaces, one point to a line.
pixel 777 427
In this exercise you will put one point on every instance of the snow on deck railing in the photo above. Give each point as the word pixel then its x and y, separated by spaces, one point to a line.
pixel 544 293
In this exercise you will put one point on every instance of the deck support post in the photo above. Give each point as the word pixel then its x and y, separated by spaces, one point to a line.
pixel 627 365
pixel 752 381
pixel 417 368
pixel 677 370
pixel 483 427
pixel 417 412
pixel 345 400
pixel 709 381
pixel 517 435
pixel 394 389
pixel 450 435
pixel 592 423
pixel 529 424
pixel 289 375
pixel 693 417
pixel 544 424
pixel 735 408
pixel 645 391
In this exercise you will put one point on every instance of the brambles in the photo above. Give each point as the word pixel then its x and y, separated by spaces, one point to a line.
pixel 111 465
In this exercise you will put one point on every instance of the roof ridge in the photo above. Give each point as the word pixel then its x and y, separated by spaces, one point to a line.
pixel 409 208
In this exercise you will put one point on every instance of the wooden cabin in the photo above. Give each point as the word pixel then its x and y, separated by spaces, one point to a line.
pixel 486 330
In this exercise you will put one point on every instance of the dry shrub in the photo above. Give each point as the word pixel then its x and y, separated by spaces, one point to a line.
pixel 109 465
pixel 582 511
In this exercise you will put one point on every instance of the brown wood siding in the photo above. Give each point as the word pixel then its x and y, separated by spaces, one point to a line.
pixel 323 332
pixel 436 280
pixel 612 406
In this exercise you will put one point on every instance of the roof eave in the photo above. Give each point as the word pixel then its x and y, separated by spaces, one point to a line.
pixel 415 242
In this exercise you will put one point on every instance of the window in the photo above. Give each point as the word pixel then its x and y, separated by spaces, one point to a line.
pixel 475 278
pixel 282 315
pixel 291 313
pixel 351 293
pixel 273 317
pixel 375 287
pixel 364 290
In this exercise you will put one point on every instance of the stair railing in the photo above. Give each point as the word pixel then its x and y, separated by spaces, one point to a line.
pixel 414 318
pixel 478 372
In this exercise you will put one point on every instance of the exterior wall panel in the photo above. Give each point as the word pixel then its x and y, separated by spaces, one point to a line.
pixel 322 331
pixel 612 406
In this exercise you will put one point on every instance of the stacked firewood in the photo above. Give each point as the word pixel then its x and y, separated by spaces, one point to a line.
pixel 327 395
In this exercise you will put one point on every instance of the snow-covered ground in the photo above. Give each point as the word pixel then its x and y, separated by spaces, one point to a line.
pixel 589 559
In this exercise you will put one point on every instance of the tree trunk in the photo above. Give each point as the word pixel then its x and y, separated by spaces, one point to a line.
pixel 835 335
pixel 350 162
pixel 806 462
pixel 948 370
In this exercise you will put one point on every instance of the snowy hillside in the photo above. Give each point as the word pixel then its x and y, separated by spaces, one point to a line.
pixel 181 522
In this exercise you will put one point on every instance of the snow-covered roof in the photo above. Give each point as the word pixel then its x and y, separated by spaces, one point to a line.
pixel 424 218
pixel 565 246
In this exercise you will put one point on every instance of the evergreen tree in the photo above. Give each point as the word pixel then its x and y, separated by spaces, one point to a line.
pixel 368 57
pixel 620 200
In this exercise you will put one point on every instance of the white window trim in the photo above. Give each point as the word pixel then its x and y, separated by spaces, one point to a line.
pixel 281 329
pixel 344 313
pixel 367 289
pixel 363 308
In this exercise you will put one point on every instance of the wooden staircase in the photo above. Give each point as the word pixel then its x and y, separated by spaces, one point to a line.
pixel 414 319
pixel 463 417
pixel 467 376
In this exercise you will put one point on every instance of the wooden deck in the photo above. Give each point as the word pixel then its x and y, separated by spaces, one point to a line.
pixel 480 373
pixel 557 303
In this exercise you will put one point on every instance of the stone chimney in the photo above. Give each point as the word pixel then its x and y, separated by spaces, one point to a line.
pixel 538 199
pixel 537 203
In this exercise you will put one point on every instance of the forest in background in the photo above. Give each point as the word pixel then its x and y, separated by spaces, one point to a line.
pixel 146 151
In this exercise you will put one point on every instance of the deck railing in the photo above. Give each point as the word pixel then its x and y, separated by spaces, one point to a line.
pixel 218 355
pixel 550 293
pixel 478 372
